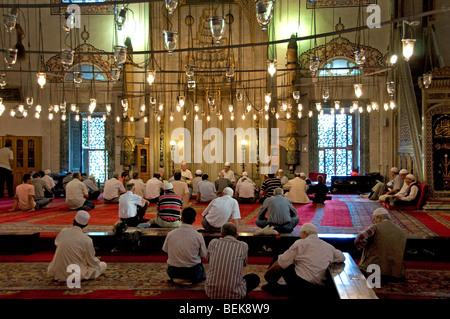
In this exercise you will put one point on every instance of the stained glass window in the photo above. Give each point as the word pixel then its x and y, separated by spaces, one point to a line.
pixel 93 141
pixel 339 67
pixel 88 73
pixel 335 144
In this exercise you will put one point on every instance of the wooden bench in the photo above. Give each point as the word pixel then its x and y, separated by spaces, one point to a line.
pixel 418 206
pixel 348 280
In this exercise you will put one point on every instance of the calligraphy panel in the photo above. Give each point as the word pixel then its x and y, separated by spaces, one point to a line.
pixel 441 151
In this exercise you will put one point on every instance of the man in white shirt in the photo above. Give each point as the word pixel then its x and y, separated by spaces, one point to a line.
pixel 244 176
pixel 139 185
pixel 73 247
pixel 185 172
pixel 154 188
pixel 206 190
pixel 228 173
pixel 220 210
pixel 245 191
pixel 49 180
pixel 6 163
pixel 77 194
pixel 304 265
pixel 132 207
pixel 112 190
pixel 296 190
pixel 411 197
pixel 185 247
pixel 403 191
pixel 283 178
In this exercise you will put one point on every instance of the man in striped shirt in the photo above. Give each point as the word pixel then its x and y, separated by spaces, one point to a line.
pixel 168 209
pixel 227 256
pixel 268 187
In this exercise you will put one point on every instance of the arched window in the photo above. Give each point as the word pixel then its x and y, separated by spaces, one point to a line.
pixel 339 67
pixel 89 72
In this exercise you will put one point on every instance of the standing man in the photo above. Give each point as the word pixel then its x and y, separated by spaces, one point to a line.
pixel 186 247
pixel 6 164
pixel 220 210
pixel 132 207
pixel 77 194
pixel 383 244
pixel 281 214
pixel 227 256
pixel 73 247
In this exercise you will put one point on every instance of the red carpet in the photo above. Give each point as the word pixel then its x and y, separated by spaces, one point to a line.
pixel 333 213
pixel 435 221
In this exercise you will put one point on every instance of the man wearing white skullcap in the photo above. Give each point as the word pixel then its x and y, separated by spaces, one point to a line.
pixel 74 247
pixel 195 181
pixel 383 244
pixel 220 211
pixel 393 186
pixel 49 181
pixel 282 177
pixel 304 265
pixel 404 189
pixel 228 173
pixel 241 179
pixel 409 198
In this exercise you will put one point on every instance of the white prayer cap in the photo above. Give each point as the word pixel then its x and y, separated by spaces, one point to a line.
pixel 380 212
pixel 91 177
pixel 168 186
pixel 302 174
pixel 403 171
pixel 82 217
pixel 394 170
pixel 411 176
pixel 244 174
pixel 309 228
pixel 280 170
pixel 47 172
pixel 227 163
pixel 198 172
pixel 228 191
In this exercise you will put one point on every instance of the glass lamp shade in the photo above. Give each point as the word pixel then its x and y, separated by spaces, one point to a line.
pixel 229 72
pixel 239 96
pixel 190 70
pixel 314 64
pixel 268 97
pixel 92 105
pixel 360 57
pixel 124 103
pixel 217 26
pixel 2 80
pixel 326 94
pixel 337 105
pixel 120 17
pixel 115 74
pixel 170 40
pixel 151 77
pixel 66 57
pixel 264 13
pixel 11 57
pixel 358 90
pixel 191 82
pixel 29 101
pixel 390 88
pixel 171 5
pixel 426 80
pixel 408 48
pixel 9 20
pixel 120 54
pixel 77 77
pixel 296 95
pixel 272 67
pixel 41 79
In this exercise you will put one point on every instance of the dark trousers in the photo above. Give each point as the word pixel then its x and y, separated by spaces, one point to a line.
pixel 88 204
pixel 94 195
pixel 210 228
pixel 136 220
pixel 195 274
pixel 6 176
pixel 251 281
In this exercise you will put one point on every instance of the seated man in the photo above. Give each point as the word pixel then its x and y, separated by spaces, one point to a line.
pixel 124 178
pixel 195 181
pixel 296 190
pixel 283 179
pixel 268 186
pixel 306 179
pixel 303 266
pixel 185 172
pixel 139 186
pixel 206 191
pixel 180 188
pixel 112 190
pixel 24 198
pixel 220 210
pixel 49 181
pixel 77 194
pixel 93 190
pixel 185 247
pixel 221 183
pixel 280 213
pixel 227 256
pixel 245 191
pixel 402 191
pixel 168 209
pixel 320 191
pixel 244 176
pixel 383 244
pixel 228 173
pixel 67 179
pixel 132 207
pixel 393 186
pixel 40 188
pixel 411 197
pixel 154 188
pixel 73 247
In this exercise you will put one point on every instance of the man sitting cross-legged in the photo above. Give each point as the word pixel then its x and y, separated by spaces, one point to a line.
pixel 132 207
pixel 185 247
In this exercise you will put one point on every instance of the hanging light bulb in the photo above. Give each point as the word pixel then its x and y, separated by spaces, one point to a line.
pixel 11 57
pixel 355 105
pixel 196 117
pixel 342 111
pixel 266 117
pixel 299 115
pixel 337 105
pixel 272 110
pixel 50 116
pixel 326 94
pixel 115 74
pixel 178 107
pixel 152 100
pixel 108 107
pixel 272 67
pixel 264 12
pixel 268 97
pixel 36 115
pixel 29 101
pixel 361 109
pixel 374 106
pixel 360 57
pixel 368 108
pixel 151 77
pixel 171 5
pixel 171 117
pixel 2 80
pixel 277 116
pixel 189 70
pixel 318 106
pixel 181 100
pixel 249 107
pixel 229 73
pixel 284 106
pixel 145 119
pixel 310 113
pixel 12 113
pixel 117 119
pixel 392 104
pixel 314 64
pixel 239 96
pixel 120 17
pixel 390 88
pixel 217 26
pixel 196 108
pixel 170 40
pixel 66 57
pixel 161 106
pixel 351 110
pixel 393 59
pixel 386 106
pixel 288 115
pixel 63 117
pixel 92 105
pixel 158 118
pixel 332 111
pixel 9 21
pixel 208 117
pixel 408 48
pixel 358 90
pixel 21 108
pixel 56 108
pixel 38 108
pixel 120 54
pixel 191 82
pixel 184 117
pixel 299 107
pixel 296 95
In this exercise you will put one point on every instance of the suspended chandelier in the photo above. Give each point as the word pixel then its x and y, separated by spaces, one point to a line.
pixel 217 26
pixel 170 40
pixel 264 13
